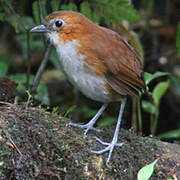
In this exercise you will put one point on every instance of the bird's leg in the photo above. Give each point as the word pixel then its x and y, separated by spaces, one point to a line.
pixel 110 146
pixel 90 124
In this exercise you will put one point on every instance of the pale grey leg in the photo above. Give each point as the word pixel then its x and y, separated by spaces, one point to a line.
pixel 90 124
pixel 110 146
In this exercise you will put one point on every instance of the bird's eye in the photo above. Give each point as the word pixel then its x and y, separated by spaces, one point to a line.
pixel 58 23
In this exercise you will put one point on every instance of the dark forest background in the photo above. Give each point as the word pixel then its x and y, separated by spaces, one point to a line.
pixel 152 27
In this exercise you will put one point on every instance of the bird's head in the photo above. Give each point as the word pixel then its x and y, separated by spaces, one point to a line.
pixel 64 26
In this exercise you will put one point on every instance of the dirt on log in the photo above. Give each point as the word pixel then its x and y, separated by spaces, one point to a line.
pixel 35 144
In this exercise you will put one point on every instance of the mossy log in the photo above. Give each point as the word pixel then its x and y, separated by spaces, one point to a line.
pixel 35 144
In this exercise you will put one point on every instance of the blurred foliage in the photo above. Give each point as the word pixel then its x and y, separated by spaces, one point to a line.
pixel 173 134
pixel 146 172
pixel 156 94
pixel 109 11
pixel 3 69
pixel 149 77
pixel 71 109
pixel 70 6
pixel 19 17
pixel 35 11
pixel 22 24
pixel 178 38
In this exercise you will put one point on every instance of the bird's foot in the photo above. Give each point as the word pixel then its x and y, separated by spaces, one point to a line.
pixel 87 127
pixel 90 124
pixel 110 147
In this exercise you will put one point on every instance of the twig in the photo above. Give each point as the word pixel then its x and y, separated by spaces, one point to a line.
pixel 12 142
pixel 40 11
pixel 28 62
pixel 15 145
pixel 45 58
pixel 41 68
pixel 6 103
pixel 29 98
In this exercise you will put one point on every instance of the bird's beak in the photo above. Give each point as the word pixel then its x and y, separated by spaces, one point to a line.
pixel 40 29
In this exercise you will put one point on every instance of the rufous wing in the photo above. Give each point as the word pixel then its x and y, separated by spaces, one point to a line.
pixel 113 58
pixel 123 68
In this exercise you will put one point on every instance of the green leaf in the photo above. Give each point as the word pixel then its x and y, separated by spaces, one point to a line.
pixel 128 13
pixel 149 77
pixel 55 5
pixel 42 92
pixel 146 172
pixel 119 10
pixel 86 10
pixel 3 68
pixel 22 37
pixel 148 107
pixel 87 111
pixel 113 10
pixel 71 109
pixel 21 79
pixel 28 22
pixel 95 15
pixel 70 6
pixel 178 38
pixel 105 122
pixel 9 2
pixel 2 15
pixel 90 13
pixel 159 91
pixel 35 12
pixel 13 21
pixel 44 12
pixel 37 43
pixel 174 134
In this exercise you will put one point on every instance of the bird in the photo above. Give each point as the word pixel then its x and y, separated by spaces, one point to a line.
pixel 98 62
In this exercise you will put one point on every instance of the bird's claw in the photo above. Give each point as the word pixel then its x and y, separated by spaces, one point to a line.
pixel 107 144
pixel 110 147
pixel 87 127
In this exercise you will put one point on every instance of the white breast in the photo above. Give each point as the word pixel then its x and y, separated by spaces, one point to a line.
pixel 73 66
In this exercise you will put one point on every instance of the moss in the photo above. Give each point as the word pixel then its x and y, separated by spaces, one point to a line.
pixel 36 144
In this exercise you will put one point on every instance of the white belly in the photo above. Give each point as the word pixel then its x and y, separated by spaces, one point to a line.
pixel 73 66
